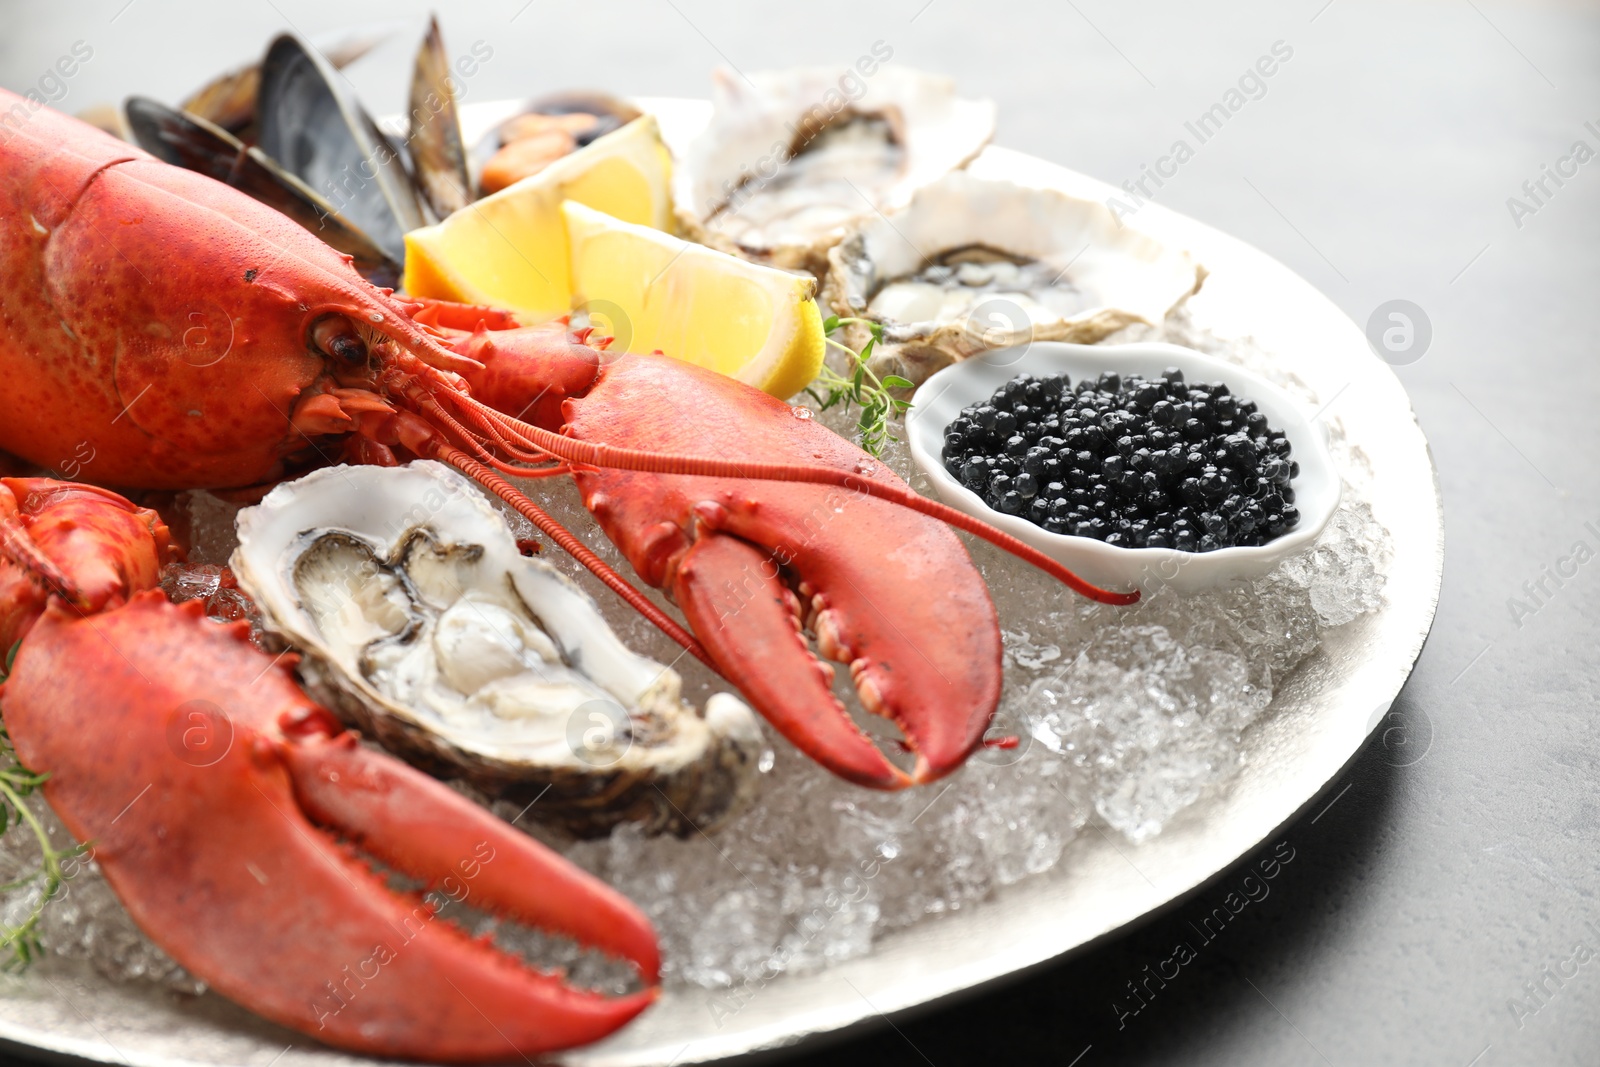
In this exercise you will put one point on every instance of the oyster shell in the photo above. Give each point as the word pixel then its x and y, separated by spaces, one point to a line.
pixel 422 624
pixel 972 264
pixel 789 162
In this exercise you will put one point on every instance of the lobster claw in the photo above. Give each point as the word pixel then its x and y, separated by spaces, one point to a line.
pixel 230 814
pixel 920 654
pixel 756 564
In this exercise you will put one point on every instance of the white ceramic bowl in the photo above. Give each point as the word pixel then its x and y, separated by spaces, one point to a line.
pixel 942 396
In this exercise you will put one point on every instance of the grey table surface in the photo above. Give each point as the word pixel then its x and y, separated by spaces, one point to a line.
pixel 1442 908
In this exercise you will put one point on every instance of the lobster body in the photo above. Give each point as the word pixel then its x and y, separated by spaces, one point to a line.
pixel 215 793
pixel 151 313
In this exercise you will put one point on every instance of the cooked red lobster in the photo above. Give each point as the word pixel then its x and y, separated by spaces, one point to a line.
pixel 217 795
pixel 201 339
pixel 185 336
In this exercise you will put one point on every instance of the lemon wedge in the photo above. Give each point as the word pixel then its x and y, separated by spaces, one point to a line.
pixel 653 291
pixel 510 249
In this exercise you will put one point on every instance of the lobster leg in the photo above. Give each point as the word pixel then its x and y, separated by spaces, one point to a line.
pixel 451 315
pixel 222 805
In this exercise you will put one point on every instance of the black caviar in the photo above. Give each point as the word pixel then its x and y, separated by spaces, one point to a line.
pixel 1136 462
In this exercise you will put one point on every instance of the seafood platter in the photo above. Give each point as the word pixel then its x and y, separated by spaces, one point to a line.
pixel 643 581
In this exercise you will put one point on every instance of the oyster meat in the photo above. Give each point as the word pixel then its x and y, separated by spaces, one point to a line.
pixel 972 264
pixel 791 159
pixel 421 623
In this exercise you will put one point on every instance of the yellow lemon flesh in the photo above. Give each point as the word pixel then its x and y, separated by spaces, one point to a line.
pixel 510 249
pixel 653 291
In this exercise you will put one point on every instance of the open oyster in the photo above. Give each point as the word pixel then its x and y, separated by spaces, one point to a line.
pixel 791 159
pixel 422 624
pixel 972 264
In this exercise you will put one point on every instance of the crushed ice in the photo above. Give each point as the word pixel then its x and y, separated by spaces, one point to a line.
pixel 1125 716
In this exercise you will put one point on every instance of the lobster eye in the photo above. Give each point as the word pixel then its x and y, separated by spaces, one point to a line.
pixel 337 338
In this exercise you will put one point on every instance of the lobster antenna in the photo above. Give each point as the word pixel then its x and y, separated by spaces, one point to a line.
pixel 486 477
pixel 423 359
pixel 859 480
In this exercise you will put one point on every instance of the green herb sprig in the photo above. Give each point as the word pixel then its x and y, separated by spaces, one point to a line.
pixel 16 783
pixel 861 386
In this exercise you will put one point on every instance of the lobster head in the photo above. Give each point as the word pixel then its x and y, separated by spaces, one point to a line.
pixel 212 332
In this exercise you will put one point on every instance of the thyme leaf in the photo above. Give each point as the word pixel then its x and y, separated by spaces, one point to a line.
pixel 860 386
pixel 17 783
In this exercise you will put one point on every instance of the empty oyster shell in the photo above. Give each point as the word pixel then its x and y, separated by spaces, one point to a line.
pixel 789 161
pixel 972 264
pixel 422 624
